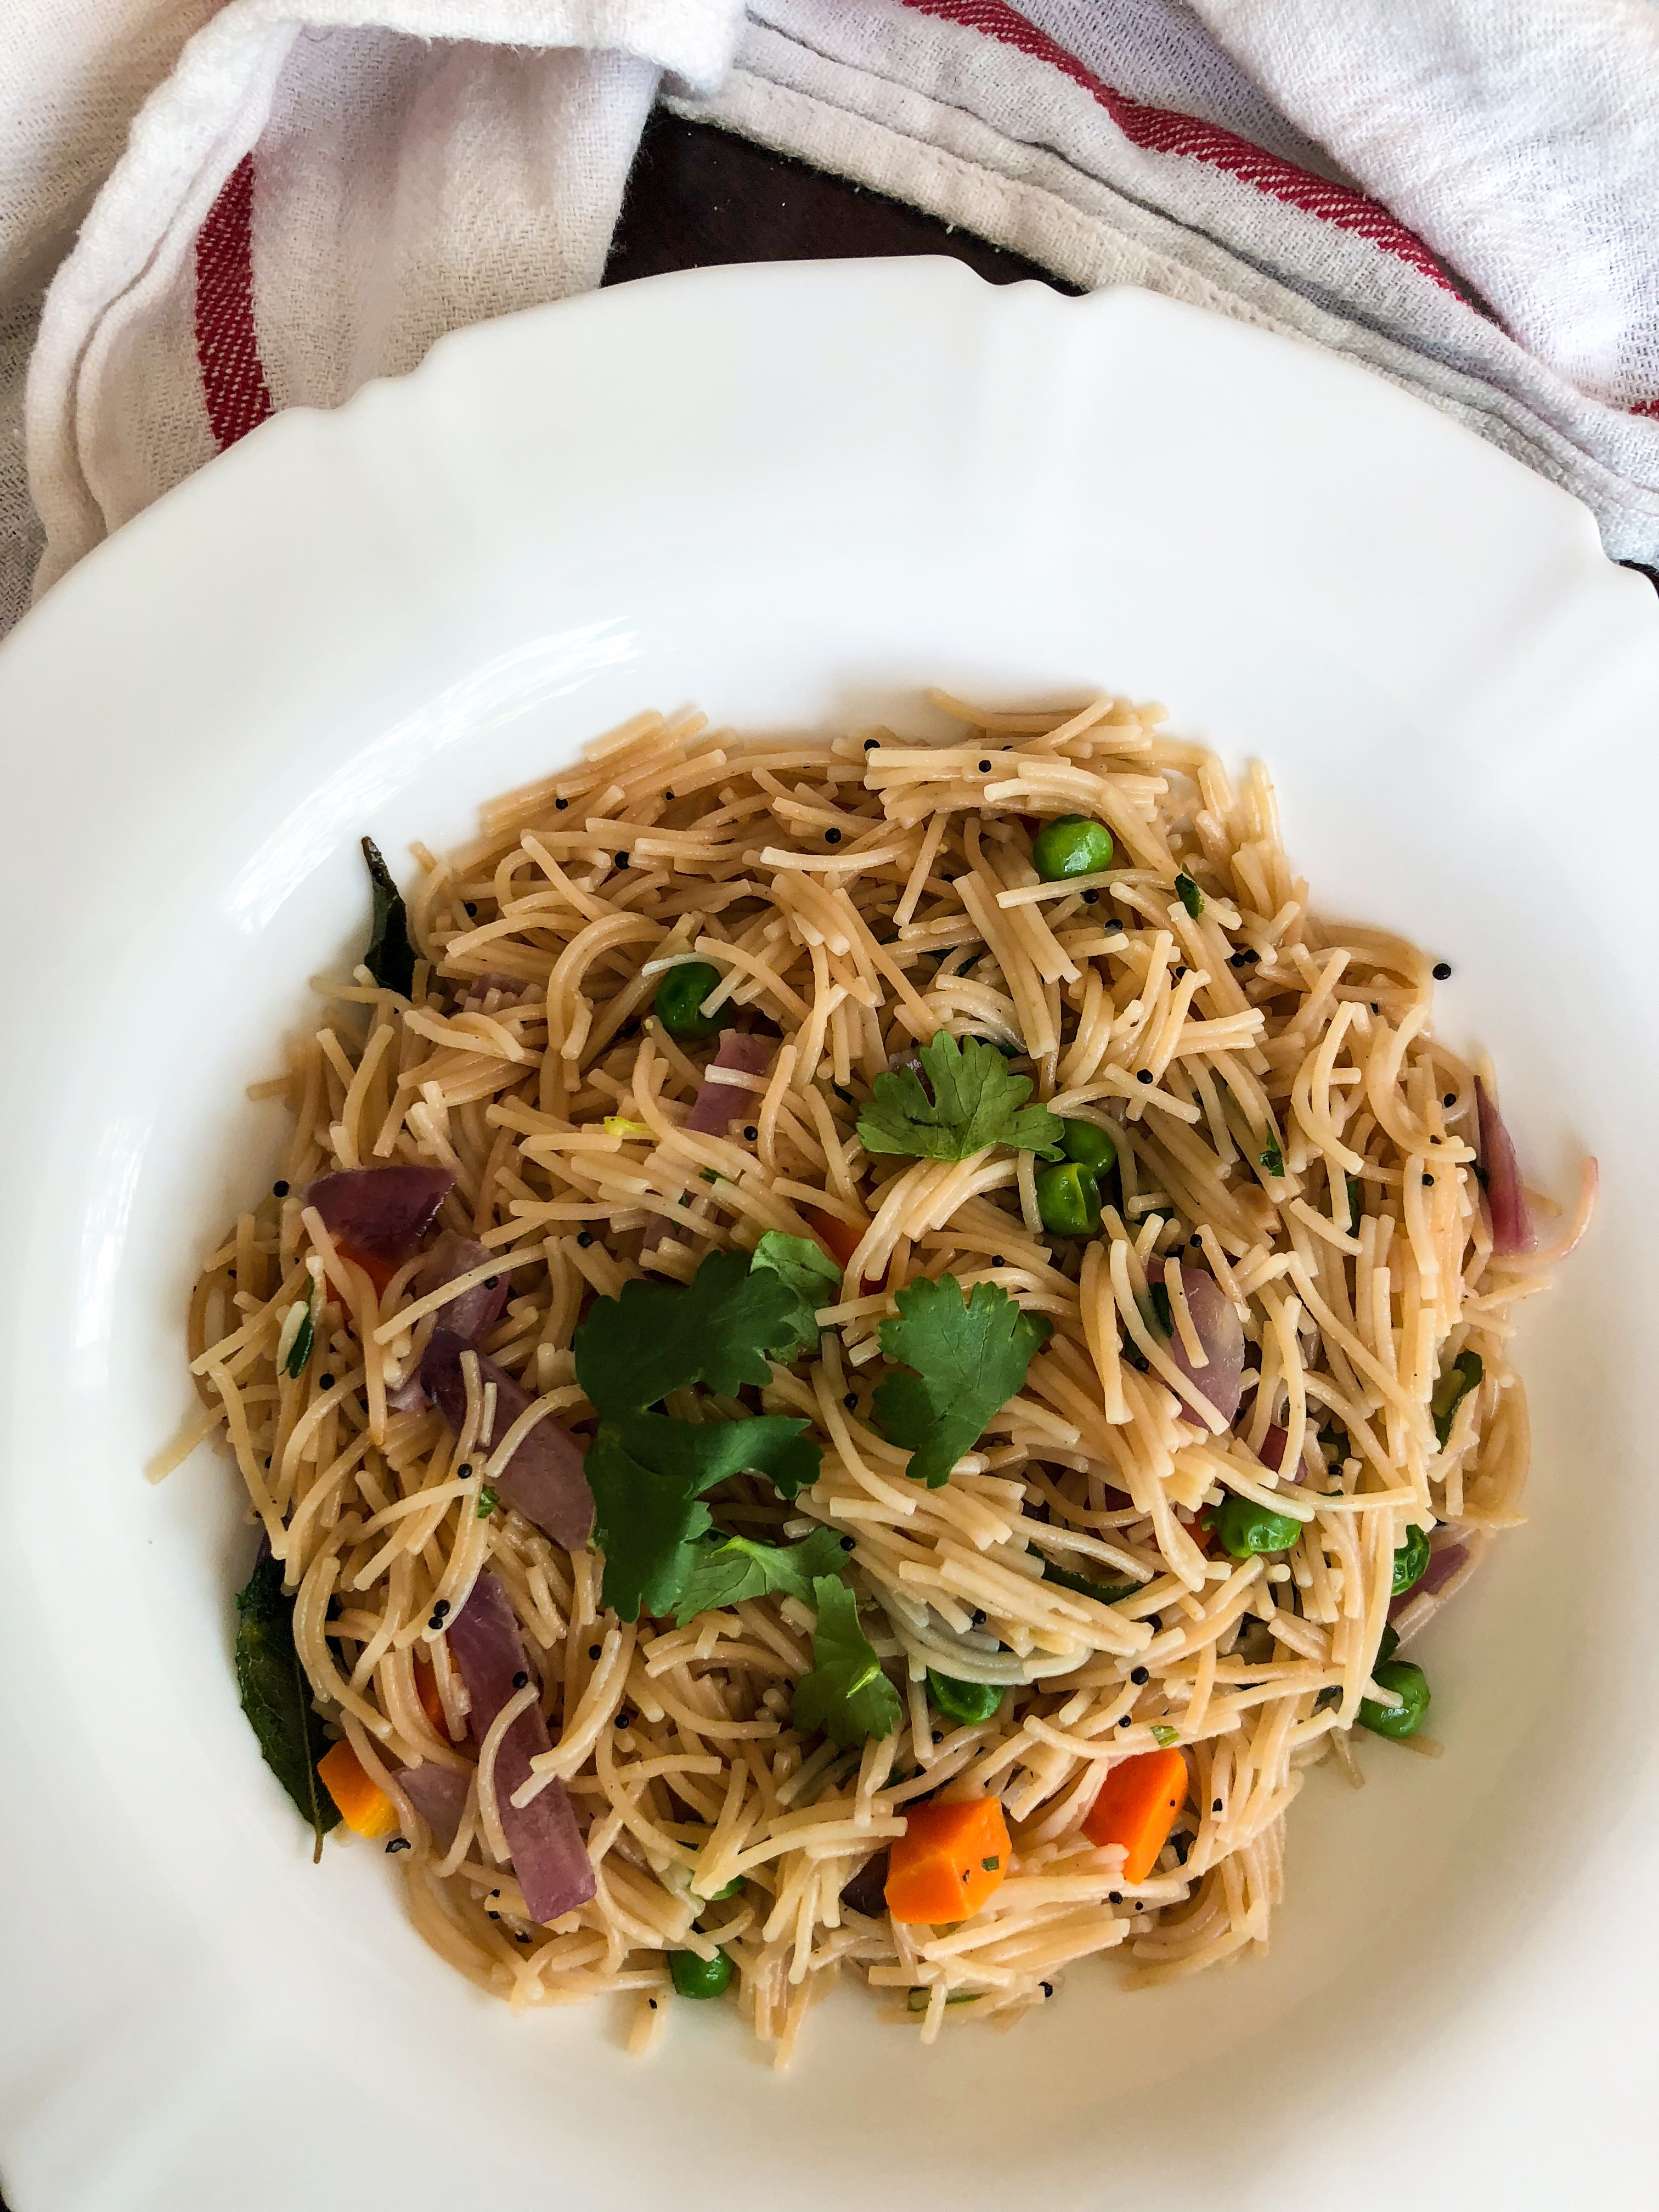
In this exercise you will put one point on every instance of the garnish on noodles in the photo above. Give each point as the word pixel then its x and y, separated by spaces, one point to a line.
pixel 864 1353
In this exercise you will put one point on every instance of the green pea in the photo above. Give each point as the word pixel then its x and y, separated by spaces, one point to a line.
pixel 1246 1527
pixel 730 1889
pixel 1089 1145
pixel 695 1977
pixel 679 1001
pixel 1388 1643
pixel 1068 1200
pixel 968 1704
pixel 1410 1559
pixel 1072 845
pixel 1411 1685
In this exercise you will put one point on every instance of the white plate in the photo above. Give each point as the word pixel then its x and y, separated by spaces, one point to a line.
pixel 795 494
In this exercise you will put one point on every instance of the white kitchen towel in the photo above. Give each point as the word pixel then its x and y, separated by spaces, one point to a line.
pixel 1462 193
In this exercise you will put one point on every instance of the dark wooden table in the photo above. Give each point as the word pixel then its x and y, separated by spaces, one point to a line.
pixel 699 196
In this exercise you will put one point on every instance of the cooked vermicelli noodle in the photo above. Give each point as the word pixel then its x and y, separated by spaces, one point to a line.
pixel 1286 1127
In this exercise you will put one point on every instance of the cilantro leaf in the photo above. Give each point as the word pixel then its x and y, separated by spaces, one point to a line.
pixel 700 1454
pixel 844 1692
pixel 657 1337
pixel 737 1567
pixel 809 1274
pixel 975 1103
pixel 969 1358
pixel 646 1525
pixel 647 1473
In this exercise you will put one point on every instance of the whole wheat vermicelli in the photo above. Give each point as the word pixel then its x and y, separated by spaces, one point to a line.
pixel 1262 1072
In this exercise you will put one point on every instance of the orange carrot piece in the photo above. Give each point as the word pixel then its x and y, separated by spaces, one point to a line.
pixel 840 1239
pixel 1137 1808
pixel 379 1272
pixel 425 1689
pixel 364 1806
pixel 950 1860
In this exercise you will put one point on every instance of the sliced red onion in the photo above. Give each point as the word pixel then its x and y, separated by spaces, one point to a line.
pixel 510 986
pixel 1506 1198
pixel 472 1315
pixel 549 1856
pixel 1274 1445
pixel 1443 1565
pixel 382 1212
pixel 1221 1333
pixel 718 1105
pixel 545 1479
pixel 438 1794
pixel 867 1893
pixel 408 1395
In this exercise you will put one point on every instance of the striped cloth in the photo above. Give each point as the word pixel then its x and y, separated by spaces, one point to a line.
pixel 1463 194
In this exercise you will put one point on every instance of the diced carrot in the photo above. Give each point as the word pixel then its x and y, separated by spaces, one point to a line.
pixel 425 1689
pixel 364 1806
pixel 951 1858
pixel 1137 1808
pixel 379 1272
pixel 840 1239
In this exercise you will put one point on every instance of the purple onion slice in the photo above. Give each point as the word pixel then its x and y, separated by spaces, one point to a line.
pixel 548 1855
pixel 545 1479
pixel 1506 1197
pixel 718 1105
pixel 1221 1333
pixel 382 1212
pixel 438 1794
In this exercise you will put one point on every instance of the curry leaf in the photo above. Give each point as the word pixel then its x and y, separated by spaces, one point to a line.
pixel 276 1696
pixel 389 958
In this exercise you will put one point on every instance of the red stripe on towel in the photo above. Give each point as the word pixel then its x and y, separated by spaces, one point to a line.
pixel 227 343
pixel 1162 130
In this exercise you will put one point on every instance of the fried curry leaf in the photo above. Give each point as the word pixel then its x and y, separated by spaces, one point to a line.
pixel 391 956
pixel 277 1697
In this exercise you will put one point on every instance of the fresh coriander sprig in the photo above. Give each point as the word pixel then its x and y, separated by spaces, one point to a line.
pixel 975 1103
pixel 647 1471
pixel 844 1692
pixel 806 1270
pixel 968 1358
pixel 733 1568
